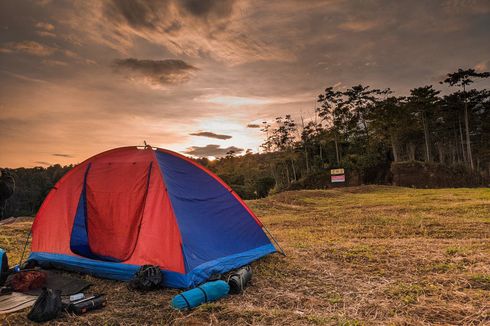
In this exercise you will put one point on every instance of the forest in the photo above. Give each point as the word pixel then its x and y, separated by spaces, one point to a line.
pixel 366 131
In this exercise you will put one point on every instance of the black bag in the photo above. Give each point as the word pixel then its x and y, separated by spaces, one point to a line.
pixel 147 278
pixel 47 306
pixel 87 304
pixel 239 279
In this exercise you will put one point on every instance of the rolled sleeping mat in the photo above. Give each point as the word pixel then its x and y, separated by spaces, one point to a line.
pixel 4 266
pixel 206 292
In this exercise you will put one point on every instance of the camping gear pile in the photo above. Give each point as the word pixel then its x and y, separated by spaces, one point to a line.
pixel 28 287
pixel 48 293
pixel 152 217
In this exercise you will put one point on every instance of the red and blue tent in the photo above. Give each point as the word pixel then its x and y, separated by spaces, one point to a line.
pixel 134 206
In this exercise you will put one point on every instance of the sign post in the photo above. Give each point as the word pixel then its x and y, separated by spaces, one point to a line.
pixel 337 175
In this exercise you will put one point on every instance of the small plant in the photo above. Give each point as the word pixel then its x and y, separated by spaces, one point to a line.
pixel 407 293
pixel 481 281
pixel 453 251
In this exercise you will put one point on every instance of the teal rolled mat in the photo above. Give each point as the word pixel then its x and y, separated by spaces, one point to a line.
pixel 210 291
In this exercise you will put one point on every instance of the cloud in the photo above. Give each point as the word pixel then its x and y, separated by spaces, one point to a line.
pixel 42 163
pixel 55 63
pixel 45 34
pixel 25 78
pixel 45 29
pixel 210 135
pixel 29 47
pixel 155 72
pixel 193 28
pixel 42 50
pixel 62 155
pixel 45 26
pixel 482 66
pixel 253 125
pixel 71 54
pixel 212 150
pixel 43 2
pixel 358 26
pixel 235 100
pixel 138 13
pixel 206 9
pixel 154 14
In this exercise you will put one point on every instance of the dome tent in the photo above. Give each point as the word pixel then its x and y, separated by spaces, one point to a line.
pixel 133 206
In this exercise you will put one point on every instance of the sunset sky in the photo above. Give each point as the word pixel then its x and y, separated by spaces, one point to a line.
pixel 196 76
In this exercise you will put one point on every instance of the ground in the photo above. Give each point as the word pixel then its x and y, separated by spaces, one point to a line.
pixel 364 255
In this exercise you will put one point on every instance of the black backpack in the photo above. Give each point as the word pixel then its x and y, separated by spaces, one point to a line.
pixel 147 278
pixel 47 306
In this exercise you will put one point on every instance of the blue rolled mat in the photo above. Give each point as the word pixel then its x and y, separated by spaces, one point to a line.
pixel 206 292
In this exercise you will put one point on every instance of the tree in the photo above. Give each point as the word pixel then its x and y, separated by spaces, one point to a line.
pixel 282 138
pixel 31 187
pixel 423 101
pixel 230 154
pixel 360 100
pixel 7 189
pixel 331 112
pixel 267 144
pixel 310 140
pixel 464 78
pixel 390 118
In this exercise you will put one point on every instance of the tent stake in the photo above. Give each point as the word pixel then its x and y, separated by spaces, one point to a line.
pixel 270 234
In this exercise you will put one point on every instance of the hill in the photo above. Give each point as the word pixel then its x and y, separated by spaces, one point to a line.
pixel 361 255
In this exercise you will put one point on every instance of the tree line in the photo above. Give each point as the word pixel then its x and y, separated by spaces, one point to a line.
pixel 365 129
pixel 32 185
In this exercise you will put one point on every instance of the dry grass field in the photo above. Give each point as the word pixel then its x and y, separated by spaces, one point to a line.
pixel 355 256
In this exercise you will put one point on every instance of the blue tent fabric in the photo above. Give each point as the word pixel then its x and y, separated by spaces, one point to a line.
pixel 125 272
pixel 212 222
pixel 79 236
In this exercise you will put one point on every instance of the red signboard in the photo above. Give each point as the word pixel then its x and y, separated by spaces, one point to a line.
pixel 338 178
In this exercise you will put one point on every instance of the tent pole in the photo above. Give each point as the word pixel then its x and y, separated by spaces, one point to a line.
pixel 25 246
pixel 280 248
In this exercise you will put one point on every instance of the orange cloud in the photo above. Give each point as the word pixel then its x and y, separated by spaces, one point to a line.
pixel 29 47
pixel 358 26
pixel 45 26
